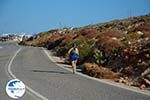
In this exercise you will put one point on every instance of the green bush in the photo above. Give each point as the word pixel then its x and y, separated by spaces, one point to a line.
pixel 84 48
pixel 133 36
pixel 82 45
pixel 98 57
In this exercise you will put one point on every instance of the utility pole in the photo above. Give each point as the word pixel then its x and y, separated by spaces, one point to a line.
pixel 130 13
pixel 60 24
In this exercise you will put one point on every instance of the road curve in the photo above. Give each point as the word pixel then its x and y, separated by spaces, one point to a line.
pixel 6 52
pixel 46 79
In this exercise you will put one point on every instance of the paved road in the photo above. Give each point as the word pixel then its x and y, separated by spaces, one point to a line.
pixel 45 80
pixel 7 50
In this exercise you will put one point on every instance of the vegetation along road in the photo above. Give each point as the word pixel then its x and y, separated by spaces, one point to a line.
pixel 45 80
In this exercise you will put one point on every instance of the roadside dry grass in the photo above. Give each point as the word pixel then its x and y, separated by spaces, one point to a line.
pixel 94 70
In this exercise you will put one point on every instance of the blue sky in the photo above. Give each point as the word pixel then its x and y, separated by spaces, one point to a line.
pixel 33 16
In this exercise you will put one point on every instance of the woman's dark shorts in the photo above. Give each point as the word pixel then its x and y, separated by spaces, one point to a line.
pixel 73 57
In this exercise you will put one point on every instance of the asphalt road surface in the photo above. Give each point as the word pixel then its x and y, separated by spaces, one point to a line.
pixel 47 81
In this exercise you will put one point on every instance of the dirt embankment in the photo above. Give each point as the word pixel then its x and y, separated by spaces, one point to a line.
pixel 118 49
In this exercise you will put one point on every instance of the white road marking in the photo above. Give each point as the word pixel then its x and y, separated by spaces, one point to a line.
pixel 1 47
pixel 102 81
pixel 13 76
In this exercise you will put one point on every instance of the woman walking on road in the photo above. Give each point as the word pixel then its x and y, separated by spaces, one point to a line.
pixel 73 56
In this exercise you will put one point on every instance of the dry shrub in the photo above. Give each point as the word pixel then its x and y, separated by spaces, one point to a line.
pixel 40 41
pixel 143 27
pixel 53 41
pixel 68 37
pixel 113 33
pixel 109 45
pixel 65 43
pixel 94 70
pixel 47 40
pixel 89 33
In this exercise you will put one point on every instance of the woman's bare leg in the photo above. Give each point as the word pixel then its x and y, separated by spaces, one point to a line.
pixel 72 63
pixel 74 66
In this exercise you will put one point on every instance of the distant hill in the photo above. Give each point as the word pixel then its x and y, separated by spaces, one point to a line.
pixel 120 46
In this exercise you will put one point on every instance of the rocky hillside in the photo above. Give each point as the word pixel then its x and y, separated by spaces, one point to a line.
pixel 118 49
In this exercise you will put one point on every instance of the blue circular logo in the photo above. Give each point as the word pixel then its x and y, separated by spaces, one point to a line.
pixel 15 88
